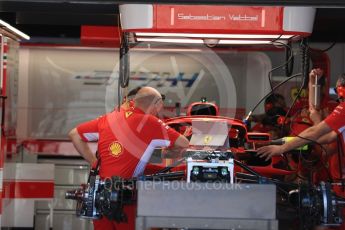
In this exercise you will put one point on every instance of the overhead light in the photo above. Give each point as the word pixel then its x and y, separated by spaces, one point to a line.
pixel 13 30
pixel 219 36
pixel 244 42
pixel 202 41
pixel 171 40
pixel 155 49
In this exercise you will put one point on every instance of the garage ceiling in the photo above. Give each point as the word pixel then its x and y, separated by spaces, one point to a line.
pixel 60 19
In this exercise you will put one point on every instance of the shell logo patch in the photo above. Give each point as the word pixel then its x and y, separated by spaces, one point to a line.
pixel 115 149
pixel 128 113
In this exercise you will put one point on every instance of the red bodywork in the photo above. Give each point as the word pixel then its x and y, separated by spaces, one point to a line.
pixel 242 148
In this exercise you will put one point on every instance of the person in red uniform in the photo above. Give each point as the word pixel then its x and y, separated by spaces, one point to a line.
pixel 331 129
pixel 126 140
pixel 324 132
pixel 270 121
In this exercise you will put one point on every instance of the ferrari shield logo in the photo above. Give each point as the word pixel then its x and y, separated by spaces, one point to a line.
pixel 207 139
pixel 115 149
pixel 294 92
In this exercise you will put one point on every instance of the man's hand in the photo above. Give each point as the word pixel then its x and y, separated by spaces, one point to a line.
pixel 269 151
pixel 315 73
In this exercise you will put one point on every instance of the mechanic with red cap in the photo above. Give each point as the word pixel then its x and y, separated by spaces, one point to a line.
pixel 273 118
pixel 126 140
pixel 325 132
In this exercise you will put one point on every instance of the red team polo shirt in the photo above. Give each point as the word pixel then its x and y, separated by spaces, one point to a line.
pixel 126 140
pixel 336 121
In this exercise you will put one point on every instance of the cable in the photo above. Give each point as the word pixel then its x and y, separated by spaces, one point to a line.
pixel 277 38
pixel 306 160
pixel 282 65
pixel 289 65
pixel 305 59
pixel 247 168
pixel 270 80
pixel 293 103
pixel 305 74
pixel 124 61
pixel 270 93
pixel 260 178
pixel 327 49
pixel 124 72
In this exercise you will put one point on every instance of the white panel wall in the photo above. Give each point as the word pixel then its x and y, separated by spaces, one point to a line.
pixel 61 88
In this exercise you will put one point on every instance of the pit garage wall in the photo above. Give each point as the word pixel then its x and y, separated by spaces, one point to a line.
pixel 21 184
pixel 2 140
pixel 62 87
pixel 9 89
pixel 9 80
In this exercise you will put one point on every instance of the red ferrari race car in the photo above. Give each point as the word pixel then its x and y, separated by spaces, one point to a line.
pixel 221 150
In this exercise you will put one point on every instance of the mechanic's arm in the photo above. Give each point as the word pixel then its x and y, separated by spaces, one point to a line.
pixel 316 117
pixel 328 141
pixel 181 142
pixel 177 150
pixel 311 134
pixel 327 138
pixel 82 147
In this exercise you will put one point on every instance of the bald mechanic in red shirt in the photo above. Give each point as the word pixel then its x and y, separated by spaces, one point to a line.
pixel 325 132
pixel 126 140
